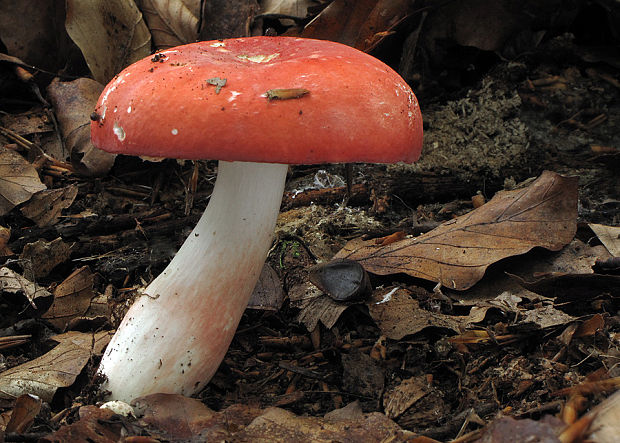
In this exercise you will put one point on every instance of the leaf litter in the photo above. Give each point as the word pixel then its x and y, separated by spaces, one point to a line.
pixel 477 342
pixel 457 253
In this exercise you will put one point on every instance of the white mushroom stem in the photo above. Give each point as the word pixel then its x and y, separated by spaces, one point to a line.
pixel 174 337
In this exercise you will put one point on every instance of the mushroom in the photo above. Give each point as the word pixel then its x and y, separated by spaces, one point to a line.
pixel 255 104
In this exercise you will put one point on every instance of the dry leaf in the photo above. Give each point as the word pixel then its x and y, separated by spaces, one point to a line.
pixel 268 294
pixel 33 121
pixel 95 425
pixel 110 33
pixel 362 375
pixel 18 180
pixel 609 236
pixel 44 207
pixel 590 326
pixel 171 22
pixel 400 398
pixel 279 425
pixel 36 124
pixel 497 288
pixel 544 317
pixel 457 253
pixel 227 18
pixel 352 411
pixel 397 314
pixel 314 306
pixel 180 417
pixel 188 419
pixel 605 426
pixel 56 369
pixel 570 287
pixel 484 24
pixel 14 283
pixel 40 257
pixel 292 8
pixel 72 298
pixel 361 24
pixel 32 30
pixel 73 103
pixel 508 429
pixel 5 235
pixel 22 416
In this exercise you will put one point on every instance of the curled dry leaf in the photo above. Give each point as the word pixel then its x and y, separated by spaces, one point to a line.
pixel 171 22
pixel 457 253
pixel 175 417
pixel 44 207
pixel 226 18
pixel 26 408
pixel 110 33
pixel 32 31
pixel 609 236
pixel 40 257
pixel 72 298
pixel 268 294
pixel 18 180
pixel 95 424
pixel 5 235
pixel 180 418
pixel 58 368
pixel 362 26
pixel 464 23
pixel 73 103
pixel 291 8
pixel 13 283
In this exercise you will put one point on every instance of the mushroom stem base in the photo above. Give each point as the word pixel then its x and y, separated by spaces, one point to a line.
pixel 174 337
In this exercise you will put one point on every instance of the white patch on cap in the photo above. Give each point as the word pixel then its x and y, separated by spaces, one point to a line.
pixel 120 79
pixel 129 110
pixel 233 95
pixel 119 131
pixel 217 44
pixel 259 58
pixel 174 131
pixel 410 114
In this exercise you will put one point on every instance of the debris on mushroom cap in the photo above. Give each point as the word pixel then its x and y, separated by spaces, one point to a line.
pixel 276 99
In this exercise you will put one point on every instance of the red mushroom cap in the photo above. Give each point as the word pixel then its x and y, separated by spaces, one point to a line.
pixel 261 99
